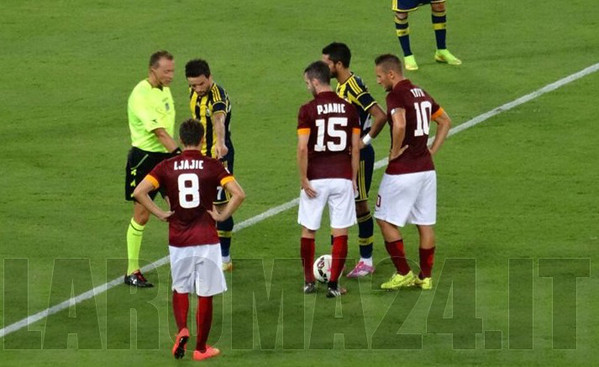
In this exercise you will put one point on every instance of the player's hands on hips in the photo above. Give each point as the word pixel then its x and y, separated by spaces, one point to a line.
pixel 164 216
pixel 217 215
pixel 395 155
pixel 308 189
pixel 221 150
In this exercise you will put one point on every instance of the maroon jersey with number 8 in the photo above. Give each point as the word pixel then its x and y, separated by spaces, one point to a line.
pixel 191 181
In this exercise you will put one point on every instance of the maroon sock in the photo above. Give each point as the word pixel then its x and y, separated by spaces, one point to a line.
pixel 180 308
pixel 204 321
pixel 427 259
pixel 398 256
pixel 307 253
pixel 339 253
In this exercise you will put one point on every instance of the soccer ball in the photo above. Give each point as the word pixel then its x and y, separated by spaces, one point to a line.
pixel 322 268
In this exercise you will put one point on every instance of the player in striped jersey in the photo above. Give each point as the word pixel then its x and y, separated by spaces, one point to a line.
pixel 438 17
pixel 210 104
pixel 351 88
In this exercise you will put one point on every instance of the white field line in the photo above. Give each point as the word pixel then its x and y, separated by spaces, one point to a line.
pixel 290 204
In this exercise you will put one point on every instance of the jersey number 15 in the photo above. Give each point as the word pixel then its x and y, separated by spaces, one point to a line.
pixel 328 130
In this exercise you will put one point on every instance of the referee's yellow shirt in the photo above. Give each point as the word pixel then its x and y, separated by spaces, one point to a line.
pixel 148 109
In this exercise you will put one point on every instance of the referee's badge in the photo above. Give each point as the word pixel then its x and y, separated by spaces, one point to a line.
pixel 166 107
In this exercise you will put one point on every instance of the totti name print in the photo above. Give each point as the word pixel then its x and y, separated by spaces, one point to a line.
pixel 417 92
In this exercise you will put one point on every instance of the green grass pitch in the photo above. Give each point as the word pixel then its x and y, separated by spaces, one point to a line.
pixel 518 217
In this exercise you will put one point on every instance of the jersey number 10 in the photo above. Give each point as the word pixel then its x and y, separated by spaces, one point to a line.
pixel 423 117
pixel 330 131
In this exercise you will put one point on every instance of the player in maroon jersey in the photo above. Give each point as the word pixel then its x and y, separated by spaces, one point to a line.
pixel 408 190
pixel 328 155
pixel 191 181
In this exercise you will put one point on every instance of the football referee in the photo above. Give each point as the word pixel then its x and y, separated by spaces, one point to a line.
pixel 151 114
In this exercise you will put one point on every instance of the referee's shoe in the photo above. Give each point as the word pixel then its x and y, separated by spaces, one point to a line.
pixel 136 279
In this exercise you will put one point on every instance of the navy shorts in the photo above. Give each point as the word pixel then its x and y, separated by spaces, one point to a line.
pixel 222 197
pixel 365 172
pixel 410 5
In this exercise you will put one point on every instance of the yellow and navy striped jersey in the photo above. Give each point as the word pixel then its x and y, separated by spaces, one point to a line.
pixel 355 92
pixel 203 108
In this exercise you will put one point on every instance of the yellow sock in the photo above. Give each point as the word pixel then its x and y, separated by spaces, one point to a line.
pixel 135 233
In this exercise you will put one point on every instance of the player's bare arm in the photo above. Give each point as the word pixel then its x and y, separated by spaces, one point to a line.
pixel 223 212
pixel 219 129
pixel 302 164
pixel 379 119
pixel 398 126
pixel 165 139
pixel 141 195
pixel 443 125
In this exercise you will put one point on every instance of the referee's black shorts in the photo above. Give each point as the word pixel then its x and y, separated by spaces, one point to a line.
pixel 139 164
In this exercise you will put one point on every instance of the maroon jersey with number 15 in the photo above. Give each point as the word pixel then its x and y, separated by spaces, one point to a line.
pixel 330 122
pixel 420 109
pixel 191 180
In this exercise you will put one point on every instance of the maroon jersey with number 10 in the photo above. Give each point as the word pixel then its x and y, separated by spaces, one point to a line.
pixel 421 109
pixel 191 180
pixel 330 122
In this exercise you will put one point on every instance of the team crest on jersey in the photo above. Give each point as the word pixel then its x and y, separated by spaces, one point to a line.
pixel 166 106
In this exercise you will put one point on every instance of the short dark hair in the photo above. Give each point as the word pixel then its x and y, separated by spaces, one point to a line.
pixel 191 132
pixel 156 56
pixel 197 67
pixel 320 71
pixel 388 62
pixel 338 51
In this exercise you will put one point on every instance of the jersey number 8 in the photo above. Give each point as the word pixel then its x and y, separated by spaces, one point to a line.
pixel 189 190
